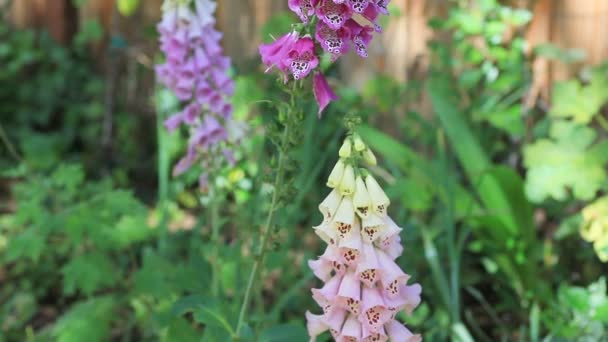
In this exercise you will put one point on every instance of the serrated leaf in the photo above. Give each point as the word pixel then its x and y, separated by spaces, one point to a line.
pixel 88 273
pixel 581 103
pixel 89 320
pixel 567 161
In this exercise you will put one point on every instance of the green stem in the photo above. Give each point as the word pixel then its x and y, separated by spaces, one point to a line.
pixel 214 210
pixel 163 176
pixel 9 145
pixel 267 227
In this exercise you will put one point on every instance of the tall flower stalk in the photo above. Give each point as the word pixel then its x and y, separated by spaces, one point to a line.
pixel 328 27
pixel 364 288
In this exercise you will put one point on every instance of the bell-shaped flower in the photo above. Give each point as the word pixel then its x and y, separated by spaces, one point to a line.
pixel 347 184
pixel 318 324
pixel 369 157
pixel 359 5
pixel 329 205
pixel 360 35
pixel 276 53
pixel 391 246
pixel 335 176
pixel 351 331
pixel 349 293
pixel 327 232
pixel 333 14
pixel 373 336
pixel 303 8
pixel 302 58
pixel 322 92
pixel 345 217
pixel 332 41
pixel 391 275
pixel 327 263
pixel 361 199
pixel 350 245
pixel 373 309
pixel 373 227
pixel 380 201
pixel 368 268
pixel 397 332
pixel 326 295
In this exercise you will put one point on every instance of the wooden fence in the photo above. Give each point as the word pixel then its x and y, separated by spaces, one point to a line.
pixel 401 51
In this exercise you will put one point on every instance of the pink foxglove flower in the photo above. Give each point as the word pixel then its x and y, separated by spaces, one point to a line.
pixel 322 92
pixel 364 287
pixel 196 71
pixel 335 33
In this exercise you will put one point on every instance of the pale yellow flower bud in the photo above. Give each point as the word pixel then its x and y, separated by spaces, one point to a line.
pixel 380 201
pixel 347 185
pixel 346 148
pixel 359 144
pixel 361 199
pixel 335 177
pixel 369 157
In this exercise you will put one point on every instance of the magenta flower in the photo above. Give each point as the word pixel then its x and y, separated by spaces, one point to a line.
pixel 276 53
pixel 301 58
pixel 335 33
pixel 196 71
pixel 323 93
pixel 363 283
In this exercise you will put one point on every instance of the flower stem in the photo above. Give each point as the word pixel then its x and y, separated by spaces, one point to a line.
pixel 214 217
pixel 259 259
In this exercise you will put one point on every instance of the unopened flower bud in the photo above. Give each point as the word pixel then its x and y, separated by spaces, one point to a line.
pixel 378 198
pixel 359 144
pixel 347 185
pixel 346 148
pixel 369 157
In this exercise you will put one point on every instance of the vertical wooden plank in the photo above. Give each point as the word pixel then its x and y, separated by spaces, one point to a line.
pixel 580 24
pixel 240 21
pixel 57 16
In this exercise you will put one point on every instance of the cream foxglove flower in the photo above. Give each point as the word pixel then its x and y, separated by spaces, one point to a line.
pixel 347 185
pixel 364 287
pixel 335 177
pixel 380 201
pixel 361 199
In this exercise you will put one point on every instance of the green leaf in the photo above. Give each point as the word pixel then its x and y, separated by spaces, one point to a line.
pixel 581 103
pixel 205 310
pixel 576 298
pixel 292 332
pixel 127 7
pixel 567 161
pixel 89 320
pixel 89 273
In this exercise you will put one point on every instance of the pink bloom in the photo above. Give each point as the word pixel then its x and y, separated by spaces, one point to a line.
pixel 360 35
pixel 303 8
pixel 397 332
pixel 351 331
pixel 373 309
pixel 322 91
pixel 359 5
pixel 373 336
pixel 349 293
pixel 333 14
pixel 325 296
pixel 368 269
pixel 275 53
pixel 302 59
pixel 332 41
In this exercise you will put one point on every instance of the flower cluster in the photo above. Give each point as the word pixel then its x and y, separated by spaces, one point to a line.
pixel 196 71
pixel 595 227
pixel 335 31
pixel 363 288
